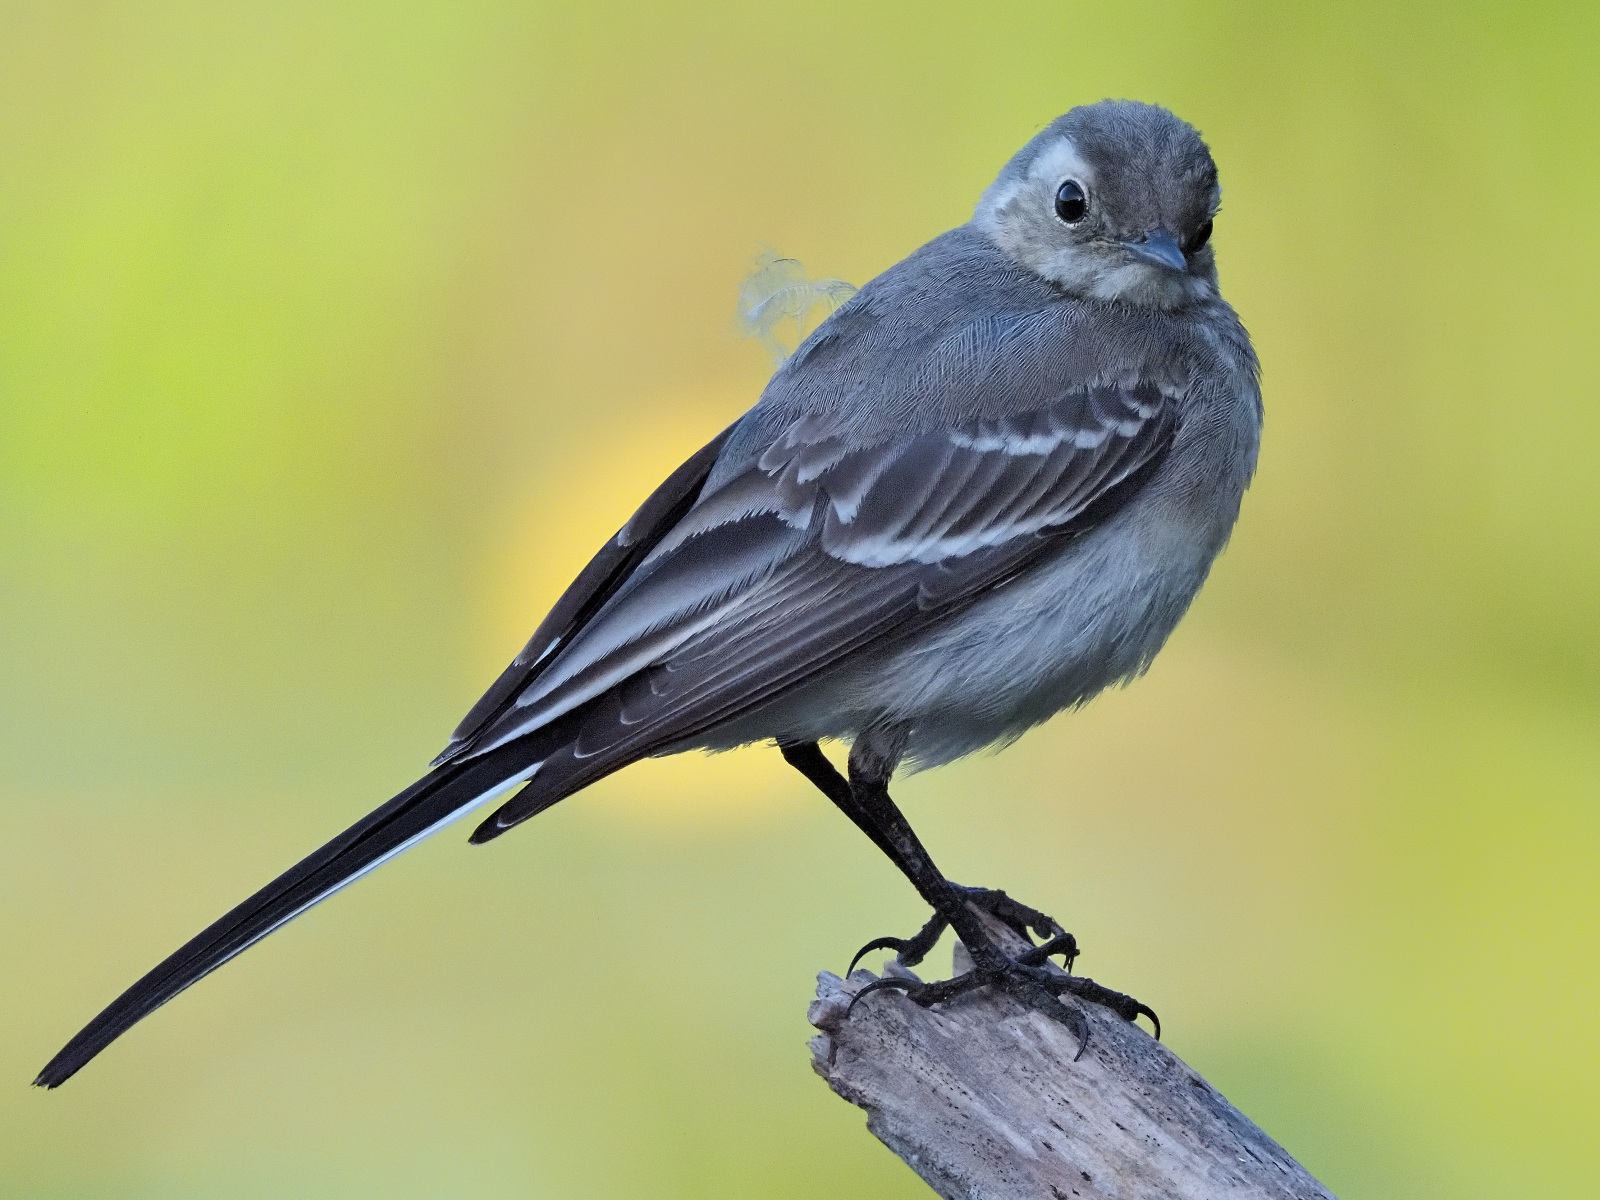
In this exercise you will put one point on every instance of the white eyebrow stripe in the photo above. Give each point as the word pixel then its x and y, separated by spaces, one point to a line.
pixel 1051 167
pixel 1059 163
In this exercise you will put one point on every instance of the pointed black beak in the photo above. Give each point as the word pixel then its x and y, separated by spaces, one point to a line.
pixel 1159 247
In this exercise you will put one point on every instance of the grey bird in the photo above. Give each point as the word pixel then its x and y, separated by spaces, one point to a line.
pixel 981 491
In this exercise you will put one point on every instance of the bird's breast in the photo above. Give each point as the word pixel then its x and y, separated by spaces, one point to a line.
pixel 1092 615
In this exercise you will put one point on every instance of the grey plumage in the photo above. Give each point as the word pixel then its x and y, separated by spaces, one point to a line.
pixel 984 489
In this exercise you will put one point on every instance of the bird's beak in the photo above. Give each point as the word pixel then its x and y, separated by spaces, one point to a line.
pixel 1159 247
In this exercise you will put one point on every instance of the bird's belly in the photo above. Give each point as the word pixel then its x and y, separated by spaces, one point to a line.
pixel 1054 638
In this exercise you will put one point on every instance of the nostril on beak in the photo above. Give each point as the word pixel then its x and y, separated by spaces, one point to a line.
pixel 1159 247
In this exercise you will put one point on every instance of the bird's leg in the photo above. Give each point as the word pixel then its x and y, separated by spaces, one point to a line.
pixel 808 759
pixel 872 762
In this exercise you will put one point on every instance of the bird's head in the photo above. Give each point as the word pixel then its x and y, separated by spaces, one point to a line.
pixel 1112 201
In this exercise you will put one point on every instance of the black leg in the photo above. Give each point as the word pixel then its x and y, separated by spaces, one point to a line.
pixel 872 762
pixel 948 901
pixel 808 759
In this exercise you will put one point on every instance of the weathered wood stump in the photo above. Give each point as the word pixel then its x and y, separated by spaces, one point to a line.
pixel 984 1099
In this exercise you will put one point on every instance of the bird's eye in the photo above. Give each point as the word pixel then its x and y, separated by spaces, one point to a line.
pixel 1071 203
pixel 1201 237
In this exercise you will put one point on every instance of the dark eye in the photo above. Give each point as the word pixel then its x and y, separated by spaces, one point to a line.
pixel 1071 203
pixel 1201 237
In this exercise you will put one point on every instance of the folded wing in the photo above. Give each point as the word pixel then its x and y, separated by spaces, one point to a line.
pixel 606 571
pixel 818 550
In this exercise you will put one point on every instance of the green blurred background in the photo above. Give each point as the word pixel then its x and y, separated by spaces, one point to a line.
pixel 333 338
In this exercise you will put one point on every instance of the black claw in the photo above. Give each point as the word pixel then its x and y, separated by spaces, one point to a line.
pixel 1028 977
pixel 1018 917
pixel 925 995
pixel 1029 985
pixel 908 951
pixel 880 985
pixel 1063 944
pixel 1123 1005
pixel 1154 1020
pixel 898 945
pixel 1041 999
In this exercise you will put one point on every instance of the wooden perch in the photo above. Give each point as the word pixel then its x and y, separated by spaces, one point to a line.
pixel 983 1099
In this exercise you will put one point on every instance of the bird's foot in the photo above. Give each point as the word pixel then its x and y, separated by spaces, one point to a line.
pixel 1025 979
pixel 1016 916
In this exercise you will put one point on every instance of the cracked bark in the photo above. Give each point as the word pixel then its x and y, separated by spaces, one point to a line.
pixel 982 1098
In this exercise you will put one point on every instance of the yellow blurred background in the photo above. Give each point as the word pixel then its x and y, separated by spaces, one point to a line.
pixel 334 337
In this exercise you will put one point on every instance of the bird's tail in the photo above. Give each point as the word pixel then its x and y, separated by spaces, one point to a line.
pixel 434 801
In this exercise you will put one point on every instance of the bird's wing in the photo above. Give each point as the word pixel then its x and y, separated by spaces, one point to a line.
pixel 595 584
pixel 816 551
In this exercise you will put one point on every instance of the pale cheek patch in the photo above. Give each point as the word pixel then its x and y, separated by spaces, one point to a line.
pixel 1154 287
pixel 1086 272
pixel 1075 268
pixel 995 201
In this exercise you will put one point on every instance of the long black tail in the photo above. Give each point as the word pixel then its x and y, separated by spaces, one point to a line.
pixel 428 805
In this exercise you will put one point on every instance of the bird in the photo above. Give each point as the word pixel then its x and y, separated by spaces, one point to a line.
pixel 983 490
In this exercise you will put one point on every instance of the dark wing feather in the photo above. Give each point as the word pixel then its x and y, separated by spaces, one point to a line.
pixel 594 585
pixel 814 554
